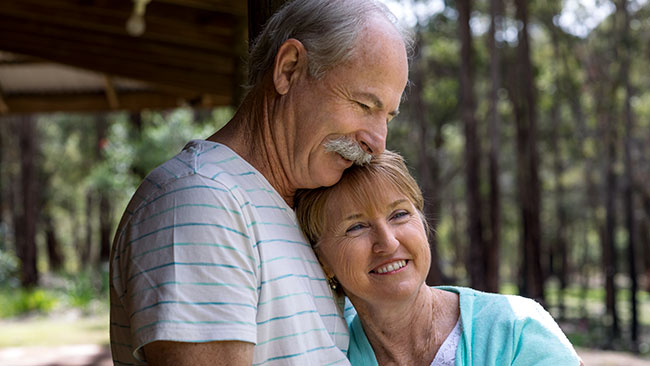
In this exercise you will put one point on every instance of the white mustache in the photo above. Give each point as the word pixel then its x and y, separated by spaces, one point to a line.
pixel 349 149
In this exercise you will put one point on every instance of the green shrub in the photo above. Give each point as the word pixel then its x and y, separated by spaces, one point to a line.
pixel 14 302
pixel 8 267
pixel 86 288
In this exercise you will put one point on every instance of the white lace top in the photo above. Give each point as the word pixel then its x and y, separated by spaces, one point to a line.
pixel 446 355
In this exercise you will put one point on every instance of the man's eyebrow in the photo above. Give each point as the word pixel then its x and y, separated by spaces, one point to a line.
pixel 377 102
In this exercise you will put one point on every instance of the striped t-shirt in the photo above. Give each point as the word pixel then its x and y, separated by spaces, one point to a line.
pixel 207 250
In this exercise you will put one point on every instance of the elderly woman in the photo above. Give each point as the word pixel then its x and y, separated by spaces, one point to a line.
pixel 371 238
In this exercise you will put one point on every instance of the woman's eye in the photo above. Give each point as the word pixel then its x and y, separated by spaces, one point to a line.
pixel 400 214
pixel 354 228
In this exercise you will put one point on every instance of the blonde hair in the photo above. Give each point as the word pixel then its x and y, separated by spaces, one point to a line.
pixel 386 170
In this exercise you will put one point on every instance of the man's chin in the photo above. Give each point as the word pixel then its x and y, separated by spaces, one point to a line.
pixel 331 179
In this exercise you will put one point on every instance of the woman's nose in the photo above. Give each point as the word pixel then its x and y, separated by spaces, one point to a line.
pixel 385 240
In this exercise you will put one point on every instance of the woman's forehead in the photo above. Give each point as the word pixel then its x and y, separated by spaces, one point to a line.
pixel 362 198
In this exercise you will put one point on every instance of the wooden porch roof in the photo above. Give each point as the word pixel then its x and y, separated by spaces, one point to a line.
pixel 77 55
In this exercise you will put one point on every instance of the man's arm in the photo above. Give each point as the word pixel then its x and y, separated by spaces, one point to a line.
pixel 166 353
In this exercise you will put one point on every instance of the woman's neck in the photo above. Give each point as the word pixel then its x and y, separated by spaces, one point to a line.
pixel 410 333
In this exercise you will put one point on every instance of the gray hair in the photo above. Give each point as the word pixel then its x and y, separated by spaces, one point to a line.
pixel 327 28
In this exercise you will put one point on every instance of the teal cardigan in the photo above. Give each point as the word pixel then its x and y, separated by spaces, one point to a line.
pixel 497 330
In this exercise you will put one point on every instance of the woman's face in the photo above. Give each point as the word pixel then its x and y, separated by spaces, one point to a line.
pixel 375 246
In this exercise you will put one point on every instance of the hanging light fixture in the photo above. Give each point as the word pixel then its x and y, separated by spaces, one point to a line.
pixel 136 26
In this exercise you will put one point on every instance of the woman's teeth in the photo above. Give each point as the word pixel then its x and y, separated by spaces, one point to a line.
pixel 391 267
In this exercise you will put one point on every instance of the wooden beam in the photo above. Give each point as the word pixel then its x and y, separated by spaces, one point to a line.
pixel 228 6
pixel 182 47
pixel 16 59
pixel 176 67
pixel 111 95
pixel 133 101
pixel 168 23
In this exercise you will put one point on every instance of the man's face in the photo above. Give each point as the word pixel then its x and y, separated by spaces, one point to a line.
pixel 355 100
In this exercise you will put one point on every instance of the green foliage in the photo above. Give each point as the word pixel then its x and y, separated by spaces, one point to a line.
pixel 85 288
pixel 18 301
pixel 85 291
pixel 75 167
pixel 163 135
pixel 8 268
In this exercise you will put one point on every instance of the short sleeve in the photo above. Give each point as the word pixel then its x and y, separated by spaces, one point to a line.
pixel 187 270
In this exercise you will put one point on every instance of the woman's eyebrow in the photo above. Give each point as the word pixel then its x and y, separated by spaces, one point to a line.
pixel 398 202
pixel 353 217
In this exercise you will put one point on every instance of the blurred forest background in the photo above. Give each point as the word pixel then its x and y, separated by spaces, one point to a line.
pixel 529 137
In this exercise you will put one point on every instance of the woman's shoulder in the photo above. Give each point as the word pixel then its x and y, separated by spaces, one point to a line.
pixel 513 306
pixel 509 322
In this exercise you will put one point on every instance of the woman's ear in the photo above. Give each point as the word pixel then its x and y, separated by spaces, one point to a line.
pixel 328 273
pixel 290 61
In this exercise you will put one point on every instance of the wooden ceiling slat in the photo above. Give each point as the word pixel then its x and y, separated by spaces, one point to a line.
pixel 175 24
pixel 98 102
pixel 103 45
pixel 168 66
pixel 232 7
pixel 191 50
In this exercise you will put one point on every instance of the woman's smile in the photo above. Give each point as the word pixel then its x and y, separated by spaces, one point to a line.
pixel 390 268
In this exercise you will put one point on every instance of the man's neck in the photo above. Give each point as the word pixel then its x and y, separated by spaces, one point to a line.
pixel 249 134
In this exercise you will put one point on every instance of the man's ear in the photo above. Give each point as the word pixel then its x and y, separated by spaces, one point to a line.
pixel 290 61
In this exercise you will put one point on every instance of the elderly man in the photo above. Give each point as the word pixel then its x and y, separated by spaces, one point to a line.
pixel 208 265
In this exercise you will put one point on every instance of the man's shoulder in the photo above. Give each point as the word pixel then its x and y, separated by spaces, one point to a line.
pixel 201 165
pixel 200 158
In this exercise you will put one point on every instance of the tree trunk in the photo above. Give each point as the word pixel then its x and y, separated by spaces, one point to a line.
pixel 87 243
pixel 558 263
pixel 591 198
pixel 55 258
pixel 26 247
pixel 105 227
pixel 607 136
pixel 105 211
pixel 584 274
pixel 492 255
pixel 460 257
pixel 528 162
pixel 4 184
pixel 609 245
pixel 628 194
pixel 477 252
pixel 644 241
pixel 605 111
pixel 427 168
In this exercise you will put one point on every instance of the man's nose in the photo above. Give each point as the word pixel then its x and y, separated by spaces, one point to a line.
pixel 373 139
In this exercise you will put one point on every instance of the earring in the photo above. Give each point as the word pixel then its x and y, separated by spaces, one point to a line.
pixel 333 283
